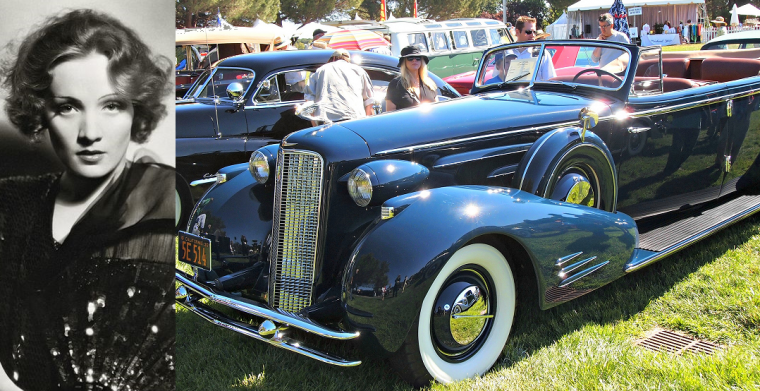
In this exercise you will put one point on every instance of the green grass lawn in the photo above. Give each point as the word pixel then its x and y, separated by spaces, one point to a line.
pixel 709 291
pixel 679 48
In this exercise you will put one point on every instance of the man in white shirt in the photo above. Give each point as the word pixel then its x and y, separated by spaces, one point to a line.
pixel 605 56
pixel 343 90
pixel 525 31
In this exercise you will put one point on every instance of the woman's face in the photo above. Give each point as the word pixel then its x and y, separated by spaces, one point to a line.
pixel 90 123
pixel 413 62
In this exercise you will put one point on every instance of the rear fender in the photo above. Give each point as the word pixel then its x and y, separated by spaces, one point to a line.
pixel 591 245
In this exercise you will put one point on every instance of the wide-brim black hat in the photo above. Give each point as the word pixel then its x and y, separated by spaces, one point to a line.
pixel 412 51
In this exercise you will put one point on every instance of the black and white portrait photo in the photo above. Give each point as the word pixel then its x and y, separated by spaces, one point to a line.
pixel 87 209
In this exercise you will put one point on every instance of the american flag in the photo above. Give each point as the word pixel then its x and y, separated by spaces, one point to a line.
pixel 621 17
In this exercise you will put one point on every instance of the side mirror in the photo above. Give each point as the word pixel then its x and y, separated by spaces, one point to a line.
pixel 235 92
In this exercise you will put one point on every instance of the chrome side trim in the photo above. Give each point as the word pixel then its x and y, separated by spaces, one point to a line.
pixel 567 258
pixel 570 268
pixel 635 130
pixel 202 181
pixel 483 154
pixel 413 148
pixel 691 105
pixel 260 310
pixel 582 274
pixel 216 178
pixel 278 339
pixel 639 263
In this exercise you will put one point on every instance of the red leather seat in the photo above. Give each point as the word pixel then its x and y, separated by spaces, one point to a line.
pixel 672 67
pixel 729 69
pixel 669 83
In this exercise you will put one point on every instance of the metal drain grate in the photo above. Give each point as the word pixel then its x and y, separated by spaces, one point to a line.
pixel 668 341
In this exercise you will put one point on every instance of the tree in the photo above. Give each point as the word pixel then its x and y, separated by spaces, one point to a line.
pixel 306 11
pixel 559 6
pixel 533 8
pixel 449 9
pixel 199 13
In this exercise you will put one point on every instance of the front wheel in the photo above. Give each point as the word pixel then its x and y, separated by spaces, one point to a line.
pixel 464 321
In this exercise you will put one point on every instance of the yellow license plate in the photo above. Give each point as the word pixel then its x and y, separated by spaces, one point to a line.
pixel 195 250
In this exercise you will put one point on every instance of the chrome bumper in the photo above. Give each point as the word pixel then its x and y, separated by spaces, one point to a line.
pixel 191 301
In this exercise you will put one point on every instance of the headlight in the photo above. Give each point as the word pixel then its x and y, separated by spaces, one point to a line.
pixel 259 167
pixel 360 187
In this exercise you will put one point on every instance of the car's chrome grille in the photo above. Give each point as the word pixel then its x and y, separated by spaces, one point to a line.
pixel 298 190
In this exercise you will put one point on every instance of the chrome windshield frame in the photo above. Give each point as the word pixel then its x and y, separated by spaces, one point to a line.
pixel 543 45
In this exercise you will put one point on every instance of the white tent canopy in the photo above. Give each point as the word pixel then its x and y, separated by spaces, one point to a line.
pixel 307 31
pixel 558 29
pixel 585 5
pixel 748 9
pixel 585 13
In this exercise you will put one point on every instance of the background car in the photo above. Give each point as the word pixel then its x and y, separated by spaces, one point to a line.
pixel 199 49
pixel 212 131
pixel 740 40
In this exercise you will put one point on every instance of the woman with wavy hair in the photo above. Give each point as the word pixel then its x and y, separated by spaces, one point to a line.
pixel 413 86
pixel 86 255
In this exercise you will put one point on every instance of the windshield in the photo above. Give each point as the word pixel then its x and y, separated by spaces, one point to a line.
pixel 216 85
pixel 584 64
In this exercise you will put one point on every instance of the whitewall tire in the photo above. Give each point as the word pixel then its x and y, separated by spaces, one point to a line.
pixel 481 350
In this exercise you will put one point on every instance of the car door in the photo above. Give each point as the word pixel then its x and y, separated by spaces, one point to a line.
pixel 672 154
pixel 211 131
pixel 740 118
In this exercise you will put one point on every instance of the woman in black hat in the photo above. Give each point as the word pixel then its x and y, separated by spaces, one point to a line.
pixel 413 86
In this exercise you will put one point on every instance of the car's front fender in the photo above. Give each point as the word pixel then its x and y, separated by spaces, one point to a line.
pixel 573 249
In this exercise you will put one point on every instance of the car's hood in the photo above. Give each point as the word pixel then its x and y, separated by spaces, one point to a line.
pixel 466 117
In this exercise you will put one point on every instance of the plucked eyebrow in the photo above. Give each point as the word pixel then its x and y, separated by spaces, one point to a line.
pixel 104 97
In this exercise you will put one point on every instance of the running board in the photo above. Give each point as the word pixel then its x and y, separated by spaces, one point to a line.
pixel 661 242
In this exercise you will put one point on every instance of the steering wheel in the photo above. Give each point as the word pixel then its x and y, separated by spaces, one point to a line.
pixel 599 73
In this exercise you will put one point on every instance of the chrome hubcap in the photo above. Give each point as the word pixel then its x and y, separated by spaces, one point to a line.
pixel 462 315
pixel 574 188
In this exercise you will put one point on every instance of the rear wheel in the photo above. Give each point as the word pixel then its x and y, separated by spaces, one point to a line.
pixel 582 176
pixel 464 320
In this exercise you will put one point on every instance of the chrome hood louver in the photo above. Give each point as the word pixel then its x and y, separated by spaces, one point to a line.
pixel 298 194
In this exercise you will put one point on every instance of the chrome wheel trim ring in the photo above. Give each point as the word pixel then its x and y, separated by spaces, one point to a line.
pixel 463 313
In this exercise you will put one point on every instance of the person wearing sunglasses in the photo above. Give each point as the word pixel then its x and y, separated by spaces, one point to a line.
pixel 413 86
pixel 525 31
pixel 605 56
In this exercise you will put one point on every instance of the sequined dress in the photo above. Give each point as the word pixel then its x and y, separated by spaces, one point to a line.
pixel 96 311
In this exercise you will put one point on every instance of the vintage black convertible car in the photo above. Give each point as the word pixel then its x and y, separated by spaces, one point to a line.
pixel 213 131
pixel 551 182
